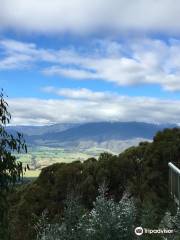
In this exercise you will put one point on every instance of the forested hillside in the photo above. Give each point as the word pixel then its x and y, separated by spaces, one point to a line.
pixel 139 172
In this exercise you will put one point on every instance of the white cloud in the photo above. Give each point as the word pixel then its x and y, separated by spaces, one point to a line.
pixel 18 55
pixel 70 72
pixel 84 16
pixel 81 93
pixel 141 61
pixel 120 108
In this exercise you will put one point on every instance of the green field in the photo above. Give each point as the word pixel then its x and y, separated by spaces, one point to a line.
pixel 38 158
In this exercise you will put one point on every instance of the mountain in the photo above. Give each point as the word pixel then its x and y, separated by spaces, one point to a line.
pixel 39 130
pixel 104 131
pixel 106 135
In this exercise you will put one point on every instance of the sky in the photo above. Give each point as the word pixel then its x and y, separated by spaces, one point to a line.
pixel 79 61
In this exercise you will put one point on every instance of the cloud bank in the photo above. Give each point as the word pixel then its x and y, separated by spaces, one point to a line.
pixel 141 61
pixel 84 16
pixel 94 107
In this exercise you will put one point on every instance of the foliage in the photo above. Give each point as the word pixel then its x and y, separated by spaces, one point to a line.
pixel 107 220
pixel 170 221
pixel 10 170
pixel 110 220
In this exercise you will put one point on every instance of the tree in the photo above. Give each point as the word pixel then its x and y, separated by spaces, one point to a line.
pixel 68 228
pixel 107 220
pixel 110 220
pixel 11 170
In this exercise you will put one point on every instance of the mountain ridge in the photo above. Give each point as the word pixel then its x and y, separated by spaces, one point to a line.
pixel 73 134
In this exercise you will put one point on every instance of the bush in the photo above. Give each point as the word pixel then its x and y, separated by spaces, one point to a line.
pixel 107 220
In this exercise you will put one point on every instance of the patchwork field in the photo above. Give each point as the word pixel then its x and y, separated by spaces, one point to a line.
pixel 38 158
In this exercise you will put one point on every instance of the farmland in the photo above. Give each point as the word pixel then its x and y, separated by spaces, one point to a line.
pixel 40 157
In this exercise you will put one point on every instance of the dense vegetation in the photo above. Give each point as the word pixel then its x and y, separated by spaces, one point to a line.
pixel 11 170
pixel 140 172
pixel 107 220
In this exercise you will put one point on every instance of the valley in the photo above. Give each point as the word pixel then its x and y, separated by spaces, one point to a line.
pixel 40 157
pixel 78 142
pixel 43 156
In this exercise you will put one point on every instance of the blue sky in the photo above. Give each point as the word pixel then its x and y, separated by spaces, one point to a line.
pixel 85 61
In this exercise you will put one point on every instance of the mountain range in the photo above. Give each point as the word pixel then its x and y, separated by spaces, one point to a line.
pixel 114 136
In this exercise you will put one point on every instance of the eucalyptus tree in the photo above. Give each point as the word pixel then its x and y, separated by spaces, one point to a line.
pixel 11 170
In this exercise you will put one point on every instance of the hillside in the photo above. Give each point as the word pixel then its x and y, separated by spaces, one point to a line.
pixel 104 131
pixel 40 130
pixel 113 136
pixel 145 180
